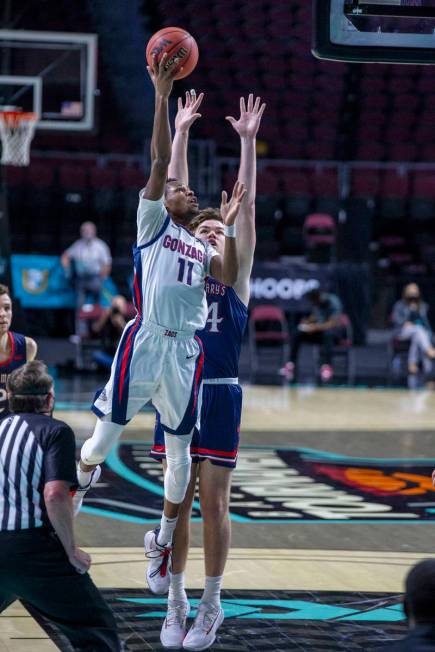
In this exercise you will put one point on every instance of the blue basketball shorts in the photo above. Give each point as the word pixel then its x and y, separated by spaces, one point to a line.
pixel 217 438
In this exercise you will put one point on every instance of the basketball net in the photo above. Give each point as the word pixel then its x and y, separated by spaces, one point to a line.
pixel 17 129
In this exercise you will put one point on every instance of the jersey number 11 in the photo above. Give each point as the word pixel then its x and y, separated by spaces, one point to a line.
pixel 185 274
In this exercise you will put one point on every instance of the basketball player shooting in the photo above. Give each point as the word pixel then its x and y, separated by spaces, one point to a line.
pixel 214 447
pixel 159 358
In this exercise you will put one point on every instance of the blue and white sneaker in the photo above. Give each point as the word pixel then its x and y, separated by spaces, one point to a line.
pixel 174 626
pixel 202 634
pixel 77 497
pixel 159 563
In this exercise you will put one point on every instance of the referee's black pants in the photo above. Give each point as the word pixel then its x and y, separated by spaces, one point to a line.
pixel 35 569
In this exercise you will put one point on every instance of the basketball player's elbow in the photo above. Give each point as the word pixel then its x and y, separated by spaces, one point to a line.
pixel 161 164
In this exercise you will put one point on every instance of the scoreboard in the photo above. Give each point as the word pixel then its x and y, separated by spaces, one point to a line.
pixel 395 31
pixel 400 8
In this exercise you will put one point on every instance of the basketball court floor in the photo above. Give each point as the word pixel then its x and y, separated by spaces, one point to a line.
pixel 332 503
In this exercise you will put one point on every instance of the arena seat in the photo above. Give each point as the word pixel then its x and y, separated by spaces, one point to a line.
pixel 268 335
pixel 343 355
pixel 319 233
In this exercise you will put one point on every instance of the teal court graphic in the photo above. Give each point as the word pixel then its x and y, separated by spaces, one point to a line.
pixel 266 621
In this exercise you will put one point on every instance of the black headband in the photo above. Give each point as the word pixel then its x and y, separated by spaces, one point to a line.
pixel 34 392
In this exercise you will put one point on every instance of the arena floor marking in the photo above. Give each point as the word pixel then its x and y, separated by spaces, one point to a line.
pixel 270 621
pixel 19 632
pixel 257 621
pixel 281 569
pixel 277 485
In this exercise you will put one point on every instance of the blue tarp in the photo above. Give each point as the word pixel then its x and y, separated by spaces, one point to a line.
pixel 40 282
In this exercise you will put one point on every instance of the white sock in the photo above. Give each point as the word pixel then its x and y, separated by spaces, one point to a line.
pixel 212 591
pixel 167 527
pixel 83 477
pixel 176 588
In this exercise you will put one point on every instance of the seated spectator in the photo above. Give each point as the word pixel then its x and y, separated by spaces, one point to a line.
pixel 109 328
pixel 88 262
pixel 419 610
pixel 322 326
pixel 410 322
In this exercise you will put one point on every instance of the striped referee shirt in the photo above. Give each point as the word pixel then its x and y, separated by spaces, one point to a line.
pixel 34 449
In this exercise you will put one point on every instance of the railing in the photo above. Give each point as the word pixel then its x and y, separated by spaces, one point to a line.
pixel 344 168
pixel 207 170
pixel 203 170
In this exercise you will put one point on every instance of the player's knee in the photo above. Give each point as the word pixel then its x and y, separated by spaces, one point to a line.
pixel 178 461
pixel 177 478
pixel 91 453
pixel 214 506
pixel 97 448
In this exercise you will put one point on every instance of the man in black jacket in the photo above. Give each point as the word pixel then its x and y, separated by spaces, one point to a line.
pixel 419 606
pixel 40 561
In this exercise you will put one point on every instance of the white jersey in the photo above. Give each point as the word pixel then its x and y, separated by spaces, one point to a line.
pixel 170 270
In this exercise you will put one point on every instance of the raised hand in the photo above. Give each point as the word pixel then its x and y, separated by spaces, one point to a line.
pixel 250 117
pixel 162 75
pixel 230 209
pixel 187 114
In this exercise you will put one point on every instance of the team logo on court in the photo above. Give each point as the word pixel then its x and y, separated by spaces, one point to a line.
pixel 35 281
pixel 278 486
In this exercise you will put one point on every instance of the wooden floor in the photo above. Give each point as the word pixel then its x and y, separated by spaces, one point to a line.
pixel 269 409
pixel 316 555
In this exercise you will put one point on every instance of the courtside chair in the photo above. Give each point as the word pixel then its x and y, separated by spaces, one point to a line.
pixel 343 354
pixel 268 338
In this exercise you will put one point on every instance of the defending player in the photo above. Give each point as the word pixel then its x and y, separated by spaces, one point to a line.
pixel 15 349
pixel 159 358
pixel 216 445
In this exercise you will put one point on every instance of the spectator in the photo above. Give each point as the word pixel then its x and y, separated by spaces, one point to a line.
pixel 45 568
pixel 410 322
pixel 322 327
pixel 419 610
pixel 109 328
pixel 88 261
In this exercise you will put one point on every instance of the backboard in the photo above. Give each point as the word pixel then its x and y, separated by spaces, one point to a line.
pixel 52 74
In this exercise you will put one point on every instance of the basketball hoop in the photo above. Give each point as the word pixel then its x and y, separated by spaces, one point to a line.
pixel 16 132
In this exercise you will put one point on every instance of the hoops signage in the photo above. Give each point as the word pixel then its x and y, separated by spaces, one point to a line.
pixel 283 288
pixel 288 283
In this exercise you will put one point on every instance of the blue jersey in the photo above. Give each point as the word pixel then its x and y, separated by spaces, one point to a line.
pixel 16 359
pixel 223 332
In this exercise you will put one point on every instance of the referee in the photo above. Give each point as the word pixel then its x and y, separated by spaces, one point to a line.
pixel 40 562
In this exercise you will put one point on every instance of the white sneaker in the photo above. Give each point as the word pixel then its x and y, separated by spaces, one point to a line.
pixel 174 626
pixel 202 634
pixel 159 564
pixel 77 498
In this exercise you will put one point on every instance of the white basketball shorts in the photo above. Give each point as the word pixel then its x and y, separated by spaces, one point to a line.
pixel 157 364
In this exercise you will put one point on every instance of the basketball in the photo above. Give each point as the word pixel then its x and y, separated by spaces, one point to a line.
pixel 176 42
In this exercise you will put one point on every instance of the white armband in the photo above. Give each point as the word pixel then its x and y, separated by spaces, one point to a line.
pixel 230 231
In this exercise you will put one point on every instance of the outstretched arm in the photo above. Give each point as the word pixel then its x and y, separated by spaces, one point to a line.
pixel 226 268
pixel 163 79
pixel 186 116
pixel 247 127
